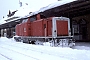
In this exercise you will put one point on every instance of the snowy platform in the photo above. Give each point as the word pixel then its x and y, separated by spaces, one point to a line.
pixel 12 50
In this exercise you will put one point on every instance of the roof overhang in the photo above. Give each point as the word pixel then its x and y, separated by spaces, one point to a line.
pixel 73 9
pixel 12 23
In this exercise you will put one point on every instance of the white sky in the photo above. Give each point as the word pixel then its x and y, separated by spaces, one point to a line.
pixel 6 5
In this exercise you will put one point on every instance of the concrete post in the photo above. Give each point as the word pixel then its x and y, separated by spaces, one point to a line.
pixel 2 32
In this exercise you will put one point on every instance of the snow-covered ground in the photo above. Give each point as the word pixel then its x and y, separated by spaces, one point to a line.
pixel 12 50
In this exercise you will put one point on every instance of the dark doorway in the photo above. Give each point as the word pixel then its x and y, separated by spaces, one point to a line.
pixel 83 29
pixel 75 30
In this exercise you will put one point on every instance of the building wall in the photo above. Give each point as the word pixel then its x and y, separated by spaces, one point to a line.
pixel 9 32
pixel 87 18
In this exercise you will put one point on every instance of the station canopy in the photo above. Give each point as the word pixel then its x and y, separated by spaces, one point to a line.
pixel 66 8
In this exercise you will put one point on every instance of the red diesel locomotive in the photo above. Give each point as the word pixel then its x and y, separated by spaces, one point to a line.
pixel 38 28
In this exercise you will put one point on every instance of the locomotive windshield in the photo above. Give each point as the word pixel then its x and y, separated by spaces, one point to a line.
pixel 33 18
pixel 25 20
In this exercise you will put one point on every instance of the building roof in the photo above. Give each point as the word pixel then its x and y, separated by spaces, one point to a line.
pixel 64 8
pixel 21 12
pixel 50 6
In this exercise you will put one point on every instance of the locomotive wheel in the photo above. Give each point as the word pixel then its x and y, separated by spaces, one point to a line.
pixel 32 42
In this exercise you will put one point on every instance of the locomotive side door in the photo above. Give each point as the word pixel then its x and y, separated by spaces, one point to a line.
pixel 48 27
pixel 44 28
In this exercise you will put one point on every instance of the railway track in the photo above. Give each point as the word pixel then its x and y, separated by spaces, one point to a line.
pixel 31 55
pixel 28 48
pixel 10 50
pixel 34 50
pixel 6 57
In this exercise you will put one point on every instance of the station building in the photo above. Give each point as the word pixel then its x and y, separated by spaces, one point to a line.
pixel 78 11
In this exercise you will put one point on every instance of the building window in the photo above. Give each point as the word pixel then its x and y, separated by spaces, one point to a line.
pixel 75 28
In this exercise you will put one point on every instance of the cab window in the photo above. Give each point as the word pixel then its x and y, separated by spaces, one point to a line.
pixel 33 18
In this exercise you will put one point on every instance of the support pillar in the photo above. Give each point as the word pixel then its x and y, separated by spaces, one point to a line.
pixel 2 32
pixel 8 32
